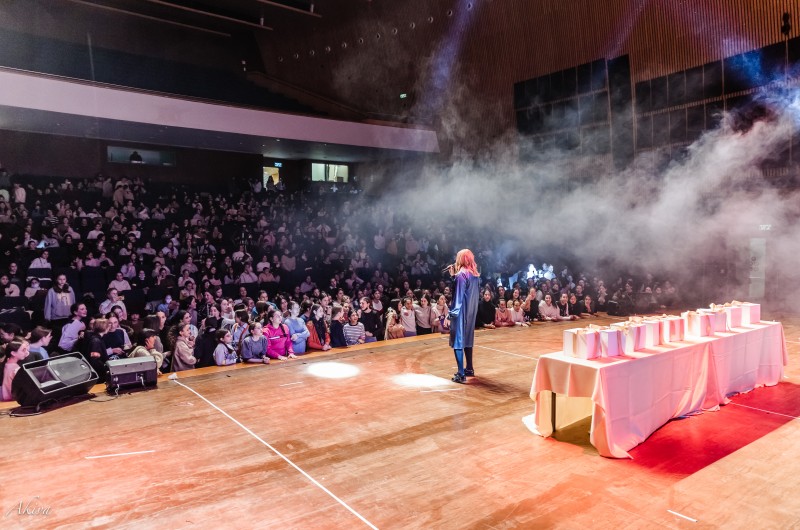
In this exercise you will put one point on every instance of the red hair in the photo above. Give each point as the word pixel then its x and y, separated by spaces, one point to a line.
pixel 465 259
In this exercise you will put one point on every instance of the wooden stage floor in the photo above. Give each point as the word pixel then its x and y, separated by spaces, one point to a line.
pixel 378 435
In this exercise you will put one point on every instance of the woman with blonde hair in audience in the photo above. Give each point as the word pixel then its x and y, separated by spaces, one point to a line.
pixel 394 329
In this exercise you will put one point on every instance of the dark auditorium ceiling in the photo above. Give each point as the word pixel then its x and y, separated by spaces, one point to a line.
pixel 225 16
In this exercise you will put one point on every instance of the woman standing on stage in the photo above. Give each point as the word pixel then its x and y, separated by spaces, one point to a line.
pixel 463 311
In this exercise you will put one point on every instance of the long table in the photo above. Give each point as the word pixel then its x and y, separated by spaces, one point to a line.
pixel 631 396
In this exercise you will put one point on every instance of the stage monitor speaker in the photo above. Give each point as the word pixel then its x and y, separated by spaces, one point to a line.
pixel 50 379
pixel 138 371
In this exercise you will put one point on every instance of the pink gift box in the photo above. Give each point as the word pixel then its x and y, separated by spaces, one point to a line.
pixel 751 313
pixel 699 324
pixel 734 313
pixel 612 342
pixel 673 329
pixel 652 333
pixel 581 343
pixel 632 336
pixel 720 321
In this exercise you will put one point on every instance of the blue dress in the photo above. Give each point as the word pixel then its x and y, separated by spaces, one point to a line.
pixel 464 310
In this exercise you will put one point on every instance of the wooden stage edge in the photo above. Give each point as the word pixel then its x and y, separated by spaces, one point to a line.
pixel 377 436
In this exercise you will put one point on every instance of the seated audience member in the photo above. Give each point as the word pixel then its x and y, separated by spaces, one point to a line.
pixel 8 331
pixel 7 288
pixel 206 343
pixel 16 351
pixel 73 329
pixel 486 311
pixel 120 283
pixel 39 341
pixel 188 290
pixel 113 300
pixel 440 312
pixel 226 313
pixel 394 329
pixel 587 307
pixel 183 348
pixel 254 346
pixel 185 317
pixel 423 315
pixel 548 310
pixel 318 336
pixel 564 309
pixel 337 328
pixel 408 317
pixel 531 304
pixel 646 301
pixel 155 323
pixel 94 349
pixel 32 288
pixel 502 316
pixel 369 319
pixel 248 276
pixel 42 262
pixel 297 329
pixel 115 338
pixel 146 346
pixel 240 327
pixel 517 314
pixel 224 354
pixel 59 300
pixel 268 276
pixel 354 331
pixel 279 340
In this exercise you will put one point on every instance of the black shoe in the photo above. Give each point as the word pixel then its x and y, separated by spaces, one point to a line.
pixel 458 379
pixel 469 372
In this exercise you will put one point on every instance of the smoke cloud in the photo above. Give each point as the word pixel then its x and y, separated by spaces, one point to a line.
pixel 685 222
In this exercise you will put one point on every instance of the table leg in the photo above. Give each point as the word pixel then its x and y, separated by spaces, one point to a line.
pixel 553 410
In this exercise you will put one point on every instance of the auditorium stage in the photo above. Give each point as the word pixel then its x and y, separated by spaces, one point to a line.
pixel 378 435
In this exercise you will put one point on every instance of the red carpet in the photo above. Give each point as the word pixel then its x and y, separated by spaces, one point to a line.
pixel 684 446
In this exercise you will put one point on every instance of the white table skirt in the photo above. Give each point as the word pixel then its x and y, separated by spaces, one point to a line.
pixel 632 396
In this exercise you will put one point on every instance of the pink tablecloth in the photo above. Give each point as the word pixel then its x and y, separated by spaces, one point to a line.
pixel 634 395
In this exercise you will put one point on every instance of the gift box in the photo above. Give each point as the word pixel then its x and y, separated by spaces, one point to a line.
pixel 699 324
pixel 673 329
pixel 751 313
pixel 652 333
pixel 734 316
pixel 581 343
pixel 612 342
pixel 720 321
pixel 632 336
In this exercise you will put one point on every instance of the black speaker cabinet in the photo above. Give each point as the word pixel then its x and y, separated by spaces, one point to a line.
pixel 138 371
pixel 54 378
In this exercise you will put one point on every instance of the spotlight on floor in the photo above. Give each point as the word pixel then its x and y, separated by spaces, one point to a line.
pixel 333 370
pixel 420 380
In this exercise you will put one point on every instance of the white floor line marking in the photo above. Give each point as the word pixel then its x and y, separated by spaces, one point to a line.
pixel 443 390
pixel 254 435
pixel 762 410
pixel 290 384
pixel 681 515
pixel 120 454
pixel 508 352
